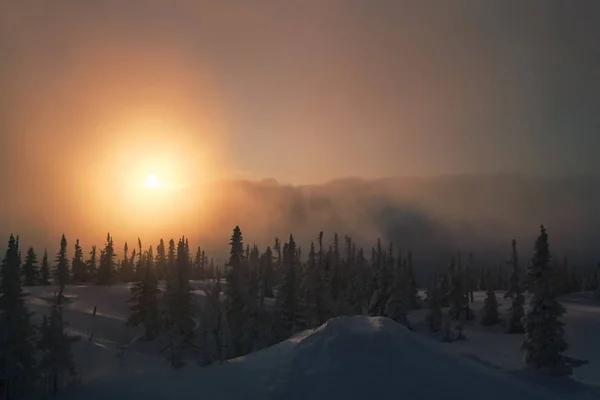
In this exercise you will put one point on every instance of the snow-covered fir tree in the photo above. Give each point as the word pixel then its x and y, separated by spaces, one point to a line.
pixel 17 334
pixel 78 267
pixel 106 270
pixel 434 317
pixel 236 291
pixel 126 270
pixel 144 298
pixel 211 324
pixel 544 333
pixel 31 272
pixel 398 302
pixel 457 291
pixel 515 292
pixel 489 313
pixel 61 269
pixel 91 264
pixel 180 306
pixel 381 282
pixel 287 307
pixel 57 364
pixel 45 270
pixel 161 260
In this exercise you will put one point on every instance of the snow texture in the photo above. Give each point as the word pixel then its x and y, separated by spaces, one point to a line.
pixel 346 358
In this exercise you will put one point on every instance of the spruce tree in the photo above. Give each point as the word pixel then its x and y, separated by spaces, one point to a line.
pixel 17 335
pixel 515 292
pixel 198 271
pixel 106 270
pixel 161 260
pixel 145 301
pixel 45 270
pixel 92 268
pixel 31 272
pixel 322 309
pixel 381 282
pixel 457 291
pixel 180 306
pixel 78 266
pixel 126 271
pixel 287 311
pixel 57 358
pixel 544 333
pixel 490 309
pixel 413 290
pixel 268 273
pixel 397 306
pixel 61 269
pixel 434 317
pixel 235 290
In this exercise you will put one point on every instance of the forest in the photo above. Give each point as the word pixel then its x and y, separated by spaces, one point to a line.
pixel 260 298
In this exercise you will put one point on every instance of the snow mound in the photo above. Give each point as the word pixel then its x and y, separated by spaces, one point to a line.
pixel 346 358
pixel 360 357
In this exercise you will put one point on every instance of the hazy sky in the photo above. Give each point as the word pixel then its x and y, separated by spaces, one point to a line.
pixel 96 94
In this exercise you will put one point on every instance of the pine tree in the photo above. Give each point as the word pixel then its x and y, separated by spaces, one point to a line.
pixel 457 290
pixel 180 306
pixel 61 270
pixel 145 301
pixel 78 266
pixel 544 333
pixel 212 324
pixel 171 256
pixel 31 272
pixel 161 261
pixel 381 282
pixel 198 272
pixel 57 358
pixel 235 291
pixel 106 270
pixel 413 290
pixel 253 332
pixel 490 310
pixel 397 305
pixel 287 297
pixel 434 318
pixel 92 268
pixel 45 270
pixel 322 309
pixel 268 273
pixel 515 292
pixel 17 335
pixel 126 271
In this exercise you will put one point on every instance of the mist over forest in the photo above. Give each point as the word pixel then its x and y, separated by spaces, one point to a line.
pixel 433 217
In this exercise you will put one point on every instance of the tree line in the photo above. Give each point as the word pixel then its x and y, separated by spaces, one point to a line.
pixel 266 297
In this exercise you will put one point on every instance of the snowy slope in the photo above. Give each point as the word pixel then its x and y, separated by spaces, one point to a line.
pixel 346 358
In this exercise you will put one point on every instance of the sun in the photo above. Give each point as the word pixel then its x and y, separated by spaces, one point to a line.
pixel 152 180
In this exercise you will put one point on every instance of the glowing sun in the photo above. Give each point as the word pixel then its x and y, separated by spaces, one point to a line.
pixel 152 180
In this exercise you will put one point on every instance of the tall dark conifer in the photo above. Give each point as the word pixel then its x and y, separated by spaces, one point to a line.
pixel 235 290
pixel 17 335
pixel 106 270
pixel 544 333
pixel 92 264
pixel 161 260
pixel 45 270
pixel 515 292
pixel 78 266
pixel 57 363
pixel 31 272
pixel 61 269
pixel 145 301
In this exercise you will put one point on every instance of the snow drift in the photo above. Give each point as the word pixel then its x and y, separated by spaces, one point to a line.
pixel 346 358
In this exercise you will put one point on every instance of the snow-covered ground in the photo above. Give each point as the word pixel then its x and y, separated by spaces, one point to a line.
pixel 347 358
